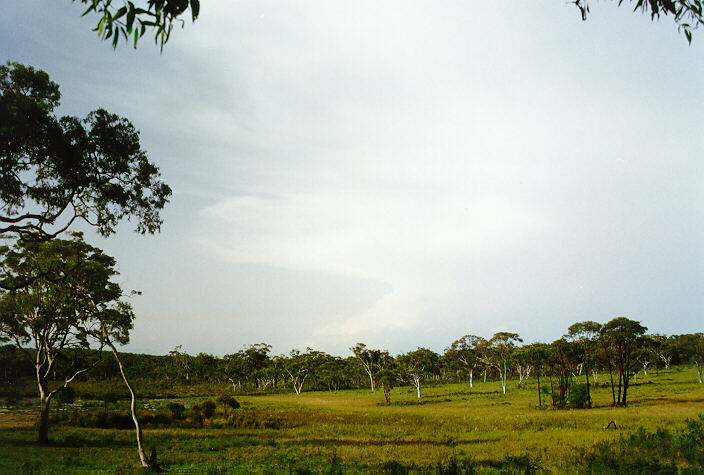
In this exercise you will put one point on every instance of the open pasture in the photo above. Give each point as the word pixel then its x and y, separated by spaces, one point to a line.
pixel 451 426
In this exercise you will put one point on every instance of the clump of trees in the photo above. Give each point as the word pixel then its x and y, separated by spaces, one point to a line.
pixel 57 296
pixel 562 372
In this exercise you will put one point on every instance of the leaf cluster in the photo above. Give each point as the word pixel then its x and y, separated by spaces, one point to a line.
pixel 131 22
pixel 688 14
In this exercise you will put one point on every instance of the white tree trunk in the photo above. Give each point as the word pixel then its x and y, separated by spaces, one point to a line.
pixel 133 409
pixel 470 379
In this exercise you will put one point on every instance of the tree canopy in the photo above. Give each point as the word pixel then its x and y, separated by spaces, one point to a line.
pixel 73 303
pixel 54 171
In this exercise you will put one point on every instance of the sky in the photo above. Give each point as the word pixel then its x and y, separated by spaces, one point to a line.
pixel 398 173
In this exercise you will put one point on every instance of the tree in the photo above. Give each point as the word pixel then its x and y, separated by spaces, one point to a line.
pixel 300 365
pixel 254 359
pixel 499 352
pixel 55 171
pixel 181 362
pixel 131 21
pixel 561 362
pixel 56 313
pixel 466 353
pixel 387 378
pixel 537 354
pixel 624 338
pixel 418 365
pixel 371 360
pixel 693 344
pixel 686 13
pixel 585 335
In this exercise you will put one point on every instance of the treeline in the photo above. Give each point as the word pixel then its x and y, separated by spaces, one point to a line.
pixel 617 350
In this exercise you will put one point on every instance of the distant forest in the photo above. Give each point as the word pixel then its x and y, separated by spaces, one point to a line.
pixel 616 352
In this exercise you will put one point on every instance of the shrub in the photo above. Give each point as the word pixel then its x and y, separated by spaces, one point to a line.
pixel 578 397
pixel 196 419
pixel 691 441
pixel 218 423
pixel 641 452
pixel 229 402
pixel 176 409
pixel 207 408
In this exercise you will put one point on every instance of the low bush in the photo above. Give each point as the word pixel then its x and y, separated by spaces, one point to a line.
pixel 649 452
pixel 229 402
pixel 578 397
pixel 691 441
pixel 176 409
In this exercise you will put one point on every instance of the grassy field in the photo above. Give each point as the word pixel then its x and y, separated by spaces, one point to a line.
pixel 355 431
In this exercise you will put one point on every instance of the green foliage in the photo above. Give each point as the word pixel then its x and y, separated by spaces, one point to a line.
pixel 206 408
pixel 691 441
pixel 641 452
pixel 387 379
pixel 131 21
pixel 686 13
pixel 229 402
pixel 176 409
pixel 648 452
pixel 56 171
pixel 578 397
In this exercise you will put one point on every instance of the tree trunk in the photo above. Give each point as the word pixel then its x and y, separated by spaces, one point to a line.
pixel 133 409
pixel 504 377
pixel 418 387
pixel 44 402
pixel 589 396
pixel 371 378
pixel 613 392
pixel 540 403
pixel 470 379
pixel 620 382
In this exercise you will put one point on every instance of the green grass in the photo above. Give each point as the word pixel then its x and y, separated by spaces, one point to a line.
pixel 355 431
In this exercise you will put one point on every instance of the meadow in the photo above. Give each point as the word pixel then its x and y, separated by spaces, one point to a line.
pixel 453 428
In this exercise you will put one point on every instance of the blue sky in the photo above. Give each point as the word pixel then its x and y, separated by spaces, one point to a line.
pixel 401 173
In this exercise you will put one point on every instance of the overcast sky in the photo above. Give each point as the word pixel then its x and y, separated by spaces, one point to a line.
pixel 399 173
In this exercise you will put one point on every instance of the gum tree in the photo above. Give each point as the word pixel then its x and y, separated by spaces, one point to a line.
pixel 585 335
pixel 499 353
pixel 56 313
pixel 624 338
pixel 693 345
pixel 58 171
pixel 371 360
pixel 466 353
pixel 418 365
